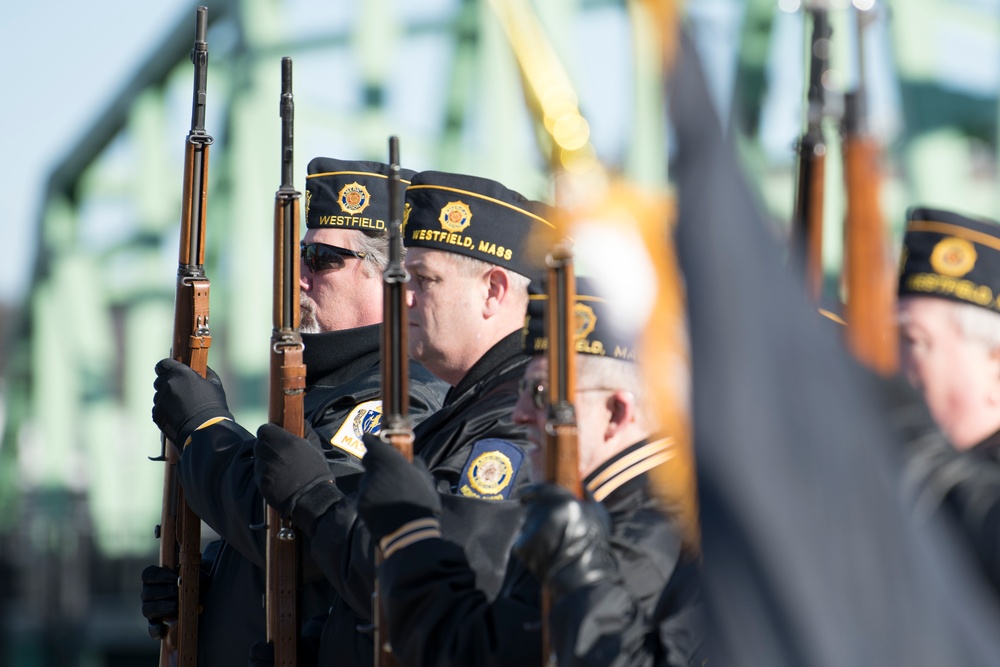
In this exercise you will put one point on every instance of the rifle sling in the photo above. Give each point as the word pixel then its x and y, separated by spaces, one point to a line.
pixel 293 386
pixel 198 342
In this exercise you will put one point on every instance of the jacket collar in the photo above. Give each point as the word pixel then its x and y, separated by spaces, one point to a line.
pixel 625 474
pixel 990 445
pixel 506 354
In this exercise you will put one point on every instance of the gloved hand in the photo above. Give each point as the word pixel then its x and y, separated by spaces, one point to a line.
pixel 564 541
pixel 293 476
pixel 160 597
pixel 262 654
pixel 184 400
pixel 392 492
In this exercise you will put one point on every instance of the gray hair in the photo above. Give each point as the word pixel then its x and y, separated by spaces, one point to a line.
pixel 976 324
pixel 376 249
pixel 472 266
pixel 617 374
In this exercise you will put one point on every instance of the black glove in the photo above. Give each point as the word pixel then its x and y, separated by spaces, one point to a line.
pixel 393 492
pixel 293 476
pixel 564 541
pixel 160 597
pixel 184 400
pixel 262 654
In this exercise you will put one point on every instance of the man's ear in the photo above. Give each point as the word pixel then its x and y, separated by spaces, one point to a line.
pixel 497 289
pixel 621 406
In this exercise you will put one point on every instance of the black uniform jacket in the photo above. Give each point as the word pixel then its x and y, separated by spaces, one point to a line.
pixel 438 617
pixel 474 426
pixel 968 483
pixel 216 472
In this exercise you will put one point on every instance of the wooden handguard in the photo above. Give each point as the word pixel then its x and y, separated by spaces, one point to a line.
pixel 180 528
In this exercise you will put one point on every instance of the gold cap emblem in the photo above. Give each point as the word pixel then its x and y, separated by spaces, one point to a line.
pixel 353 198
pixel 586 320
pixel 953 257
pixel 455 216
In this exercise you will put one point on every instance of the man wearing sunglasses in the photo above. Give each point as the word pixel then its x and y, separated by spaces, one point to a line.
pixel 467 255
pixel 610 565
pixel 343 253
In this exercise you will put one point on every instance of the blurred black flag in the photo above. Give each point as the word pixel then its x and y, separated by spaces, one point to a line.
pixel 810 556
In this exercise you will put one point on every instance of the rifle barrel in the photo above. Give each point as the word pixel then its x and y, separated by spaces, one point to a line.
pixel 180 527
pixel 286 400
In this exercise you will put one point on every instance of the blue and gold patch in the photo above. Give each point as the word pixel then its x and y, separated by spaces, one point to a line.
pixel 363 418
pixel 353 198
pixel 491 469
pixel 455 216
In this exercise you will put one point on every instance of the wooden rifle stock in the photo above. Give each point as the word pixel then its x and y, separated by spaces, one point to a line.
pixel 869 274
pixel 180 528
pixel 868 271
pixel 807 219
pixel 561 455
pixel 562 463
pixel 287 391
pixel 396 428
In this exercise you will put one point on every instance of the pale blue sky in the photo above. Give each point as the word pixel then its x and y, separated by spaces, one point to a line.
pixel 61 62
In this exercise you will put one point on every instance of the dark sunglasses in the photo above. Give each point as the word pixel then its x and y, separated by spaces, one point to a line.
pixel 322 256
pixel 539 391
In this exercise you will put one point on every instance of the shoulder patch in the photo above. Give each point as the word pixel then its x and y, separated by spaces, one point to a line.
pixel 363 418
pixel 491 469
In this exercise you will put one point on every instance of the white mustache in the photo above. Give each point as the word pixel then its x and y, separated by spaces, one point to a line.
pixel 307 315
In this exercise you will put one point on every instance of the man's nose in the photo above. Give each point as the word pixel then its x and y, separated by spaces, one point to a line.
pixel 524 410
pixel 305 281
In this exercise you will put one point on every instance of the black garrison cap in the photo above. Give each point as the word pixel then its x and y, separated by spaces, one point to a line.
pixel 473 216
pixel 951 256
pixel 349 194
pixel 594 329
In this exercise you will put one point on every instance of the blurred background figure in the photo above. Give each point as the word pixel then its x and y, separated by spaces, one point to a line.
pixel 950 351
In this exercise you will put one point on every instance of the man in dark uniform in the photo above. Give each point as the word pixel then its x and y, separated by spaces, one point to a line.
pixel 949 317
pixel 468 293
pixel 436 613
pixel 343 252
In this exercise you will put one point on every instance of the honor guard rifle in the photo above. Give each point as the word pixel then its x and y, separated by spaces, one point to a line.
pixel 869 278
pixel 287 390
pixel 180 528
pixel 807 219
pixel 396 428
pixel 562 465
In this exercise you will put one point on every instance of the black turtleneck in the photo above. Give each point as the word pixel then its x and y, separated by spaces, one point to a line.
pixel 336 357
